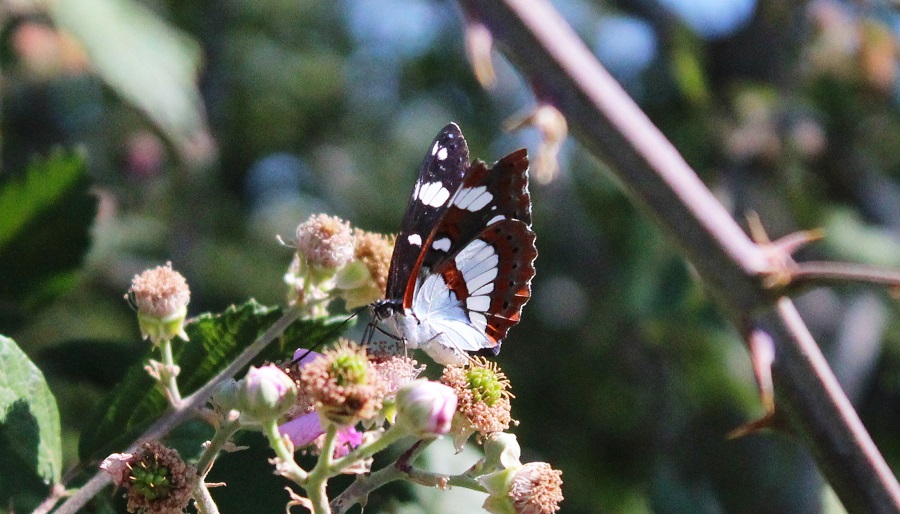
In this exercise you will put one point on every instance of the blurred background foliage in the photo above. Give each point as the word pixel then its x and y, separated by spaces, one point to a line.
pixel 208 128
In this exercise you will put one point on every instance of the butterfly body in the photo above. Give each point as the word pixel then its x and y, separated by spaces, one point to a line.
pixel 463 262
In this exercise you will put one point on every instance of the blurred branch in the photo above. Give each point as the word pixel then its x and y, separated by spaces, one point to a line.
pixel 608 122
pixel 814 272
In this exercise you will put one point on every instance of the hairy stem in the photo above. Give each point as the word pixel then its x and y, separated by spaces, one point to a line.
pixel 288 467
pixel 223 435
pixel 171 384
pixel 203 500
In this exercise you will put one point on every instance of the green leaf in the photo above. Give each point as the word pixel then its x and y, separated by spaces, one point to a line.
pixel 45 221
pixel 30 445
pixel 150 63
pixel 215 341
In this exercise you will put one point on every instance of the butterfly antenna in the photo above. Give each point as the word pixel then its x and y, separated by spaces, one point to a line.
pixel 328 335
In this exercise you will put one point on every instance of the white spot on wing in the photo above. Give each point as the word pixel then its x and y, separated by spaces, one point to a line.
pixel 478 303
pixel 442 153
pixel 414 239
pixel 434 148
pixel 483 290
pixel 479 320
pixel 433 194
pixel 473 198
pixel 442 244
pixel 480 280
pixel 496 218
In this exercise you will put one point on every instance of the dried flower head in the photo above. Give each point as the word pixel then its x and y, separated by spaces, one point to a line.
pixel 375 251
pixel 483 392
pixel 533 488
pixel 364 280
pixel 161 295
pixel 157 480
pixel 325 241
pixel 344 384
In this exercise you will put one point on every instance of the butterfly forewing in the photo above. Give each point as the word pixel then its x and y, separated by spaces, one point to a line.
pixel 440 176
pixel 486 196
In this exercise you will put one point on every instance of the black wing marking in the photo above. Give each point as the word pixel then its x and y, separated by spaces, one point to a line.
pixel 440 175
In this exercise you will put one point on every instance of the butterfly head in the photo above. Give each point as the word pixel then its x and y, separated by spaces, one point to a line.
pixel 384 309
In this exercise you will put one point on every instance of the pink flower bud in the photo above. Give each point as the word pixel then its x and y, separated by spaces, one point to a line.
pixel 266 393
pixel 426 408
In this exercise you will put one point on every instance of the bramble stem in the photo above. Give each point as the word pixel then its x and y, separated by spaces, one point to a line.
pixel 364 451
pixel 316 486
pixel 203 500
pixel 546 50
pixel 289 467
pixel 223 435
pixel 818 272
pixel 171 378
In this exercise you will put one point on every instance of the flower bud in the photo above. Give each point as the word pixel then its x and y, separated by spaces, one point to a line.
pixel 533 488
pixel 426 408
pixel 225 397
pixel 501 450
pixel 161 295
pixel 266 393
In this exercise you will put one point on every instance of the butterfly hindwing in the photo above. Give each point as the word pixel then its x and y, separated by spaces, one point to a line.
pixel 440 176
pixel 491 276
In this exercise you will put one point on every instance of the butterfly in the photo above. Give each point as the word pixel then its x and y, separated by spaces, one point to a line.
pixel 462 265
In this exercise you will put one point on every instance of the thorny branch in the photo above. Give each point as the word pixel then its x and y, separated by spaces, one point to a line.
pixel 733 268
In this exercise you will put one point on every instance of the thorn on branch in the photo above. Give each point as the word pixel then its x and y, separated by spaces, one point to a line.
pixel 762 356
pixel 479 44
pixel 554 130
pixel 779 253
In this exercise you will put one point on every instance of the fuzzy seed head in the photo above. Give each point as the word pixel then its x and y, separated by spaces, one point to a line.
pixel 344 384
pixel 161 295
pixel 325 241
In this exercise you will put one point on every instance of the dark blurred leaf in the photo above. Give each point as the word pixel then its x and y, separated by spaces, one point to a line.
pixel 87 361
pixel 30 447
pixel 45 221
pixel 215 340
